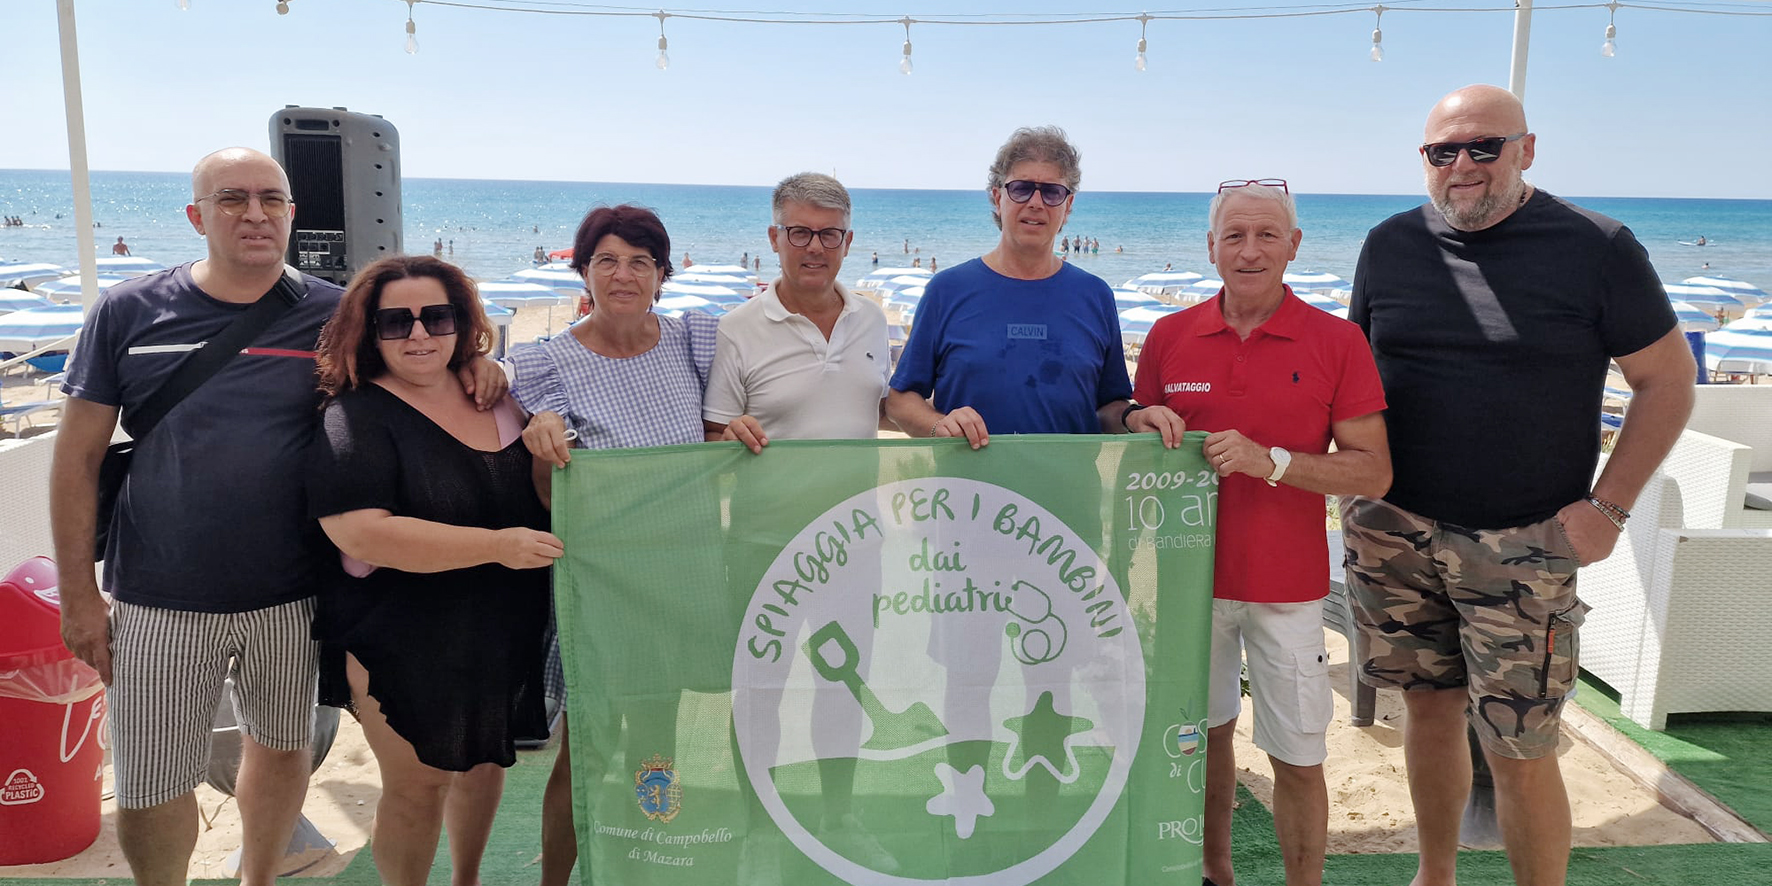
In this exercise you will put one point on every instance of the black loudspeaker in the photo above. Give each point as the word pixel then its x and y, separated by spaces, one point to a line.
pixel 344 176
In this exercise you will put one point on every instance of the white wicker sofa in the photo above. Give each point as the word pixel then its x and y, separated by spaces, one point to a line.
pixel 1682 610
pixel 1742 414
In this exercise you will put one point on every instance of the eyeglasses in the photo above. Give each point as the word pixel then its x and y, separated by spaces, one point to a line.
pixel 396 323
pixel 639 265
pixel 800 235
pixel 1236 183
pixel 1482 150
pixel 1051 193
pixel 233 201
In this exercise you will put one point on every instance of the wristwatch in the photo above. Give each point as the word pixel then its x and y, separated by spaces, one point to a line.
pixel 1282 461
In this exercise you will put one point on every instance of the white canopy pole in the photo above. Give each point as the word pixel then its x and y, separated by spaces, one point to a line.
pixel 1516 78
pixel 77 153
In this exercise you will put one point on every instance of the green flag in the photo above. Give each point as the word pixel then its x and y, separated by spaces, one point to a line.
pixel 888 662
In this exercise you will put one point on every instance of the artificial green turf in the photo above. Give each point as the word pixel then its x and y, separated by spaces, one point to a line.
pixel 1723 754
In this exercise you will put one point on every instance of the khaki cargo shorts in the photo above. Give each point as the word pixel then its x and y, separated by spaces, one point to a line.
pixel 1441 607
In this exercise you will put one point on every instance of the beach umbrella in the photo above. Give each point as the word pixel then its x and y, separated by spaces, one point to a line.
pixel 902 281
pixel 522 295
pixel 1693 318
pixel 1136 323
pixel 880 275
pixel 1201 290
pixel 1314 281
pixel 679 304
pixel 18 300
pixel 1126 299
pixel 1322 303
pixel 1162 283
pixel 1747 350
pixel 1708 298
pixel 69 287
pixel 737 283
pixel 726 297
pixel 561 280
pixel 29 274
pixel 1749 294
pixel 32 328
pixel 128 265
pixel 720 270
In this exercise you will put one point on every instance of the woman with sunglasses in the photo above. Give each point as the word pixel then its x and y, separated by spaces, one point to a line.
pixel 1018 341
pixel 623 376
pixel 433 629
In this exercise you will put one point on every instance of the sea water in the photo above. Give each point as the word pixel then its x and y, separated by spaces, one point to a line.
pixel 491 228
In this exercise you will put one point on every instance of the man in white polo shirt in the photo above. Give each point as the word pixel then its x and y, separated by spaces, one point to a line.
pixel 806 359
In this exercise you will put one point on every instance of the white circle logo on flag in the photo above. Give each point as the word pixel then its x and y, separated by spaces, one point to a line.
pixel 952 655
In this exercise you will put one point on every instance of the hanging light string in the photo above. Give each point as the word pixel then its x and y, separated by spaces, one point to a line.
pixel 566 8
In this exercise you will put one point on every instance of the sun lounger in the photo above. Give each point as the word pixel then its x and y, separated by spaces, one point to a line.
pixel 19 414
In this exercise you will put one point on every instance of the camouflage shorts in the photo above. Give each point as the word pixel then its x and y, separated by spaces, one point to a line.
pixel 1441 607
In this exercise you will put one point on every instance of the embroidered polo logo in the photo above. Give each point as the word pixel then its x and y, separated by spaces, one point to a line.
pixel 1295 378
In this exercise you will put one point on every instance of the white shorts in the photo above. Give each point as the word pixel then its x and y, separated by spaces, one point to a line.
pixel 1288 676
pixel 167 673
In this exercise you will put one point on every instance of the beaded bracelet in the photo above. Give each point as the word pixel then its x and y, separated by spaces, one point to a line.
pixel 1611 511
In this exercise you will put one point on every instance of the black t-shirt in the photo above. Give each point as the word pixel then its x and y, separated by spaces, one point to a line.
pixel 212 517
pixel 1493 346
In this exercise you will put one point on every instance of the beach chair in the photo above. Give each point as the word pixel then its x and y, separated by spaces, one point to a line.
pixel 1338 616
pixel 19 414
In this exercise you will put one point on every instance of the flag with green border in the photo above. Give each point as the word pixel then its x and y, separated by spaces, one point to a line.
pixel 888 662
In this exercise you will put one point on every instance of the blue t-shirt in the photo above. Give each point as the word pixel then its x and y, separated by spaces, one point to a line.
pixel 213 516
pixel 1032 356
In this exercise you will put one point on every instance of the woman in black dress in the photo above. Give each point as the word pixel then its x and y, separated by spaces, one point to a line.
pixel 441 604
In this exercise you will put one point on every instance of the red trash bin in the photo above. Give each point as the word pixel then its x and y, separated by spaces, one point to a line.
pixel 52 726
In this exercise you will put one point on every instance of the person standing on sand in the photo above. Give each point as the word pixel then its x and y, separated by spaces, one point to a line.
pixel 120 247
pixel 211 556
pixel 1230 366
pixel 1463 575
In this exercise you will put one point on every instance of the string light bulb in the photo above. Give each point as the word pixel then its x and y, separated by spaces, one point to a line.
pixel 664 58
pixel 1138 60
pixel 1377 53
pixel 904 64
pixel 1610 47
pixel 411 31
pixel 282 7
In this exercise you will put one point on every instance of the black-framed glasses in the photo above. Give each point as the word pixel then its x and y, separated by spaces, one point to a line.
pixel 1482 150
pixel 233 201
pixel 396 323
pixel 605 263
pixel 800 235
pixel 1236 183
pixel 1051 193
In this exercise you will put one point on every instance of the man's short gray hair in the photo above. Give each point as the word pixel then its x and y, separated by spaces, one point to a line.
pixel 1263 192
pixel 1039 144
pixel 812 189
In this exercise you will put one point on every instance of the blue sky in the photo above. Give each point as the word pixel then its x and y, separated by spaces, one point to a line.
pixel 1684 109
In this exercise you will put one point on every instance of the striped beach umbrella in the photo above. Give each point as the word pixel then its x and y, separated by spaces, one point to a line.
pixel 1749 294
pixel 1136 323
pixel 1746 348
pixel 737 283
pixel 29 274
pixel 32 328
pixel 65 288
pixel 1322 303
pixel 18 300
pixel 880 275
pixel 680 304
pixel 1162 283
pixel 726 297
pixel 1693 318
pixel 521 295
pixel 1314 281
pixel 128 265
pixel 1127 298
pixel 1707 298
pixel 560 279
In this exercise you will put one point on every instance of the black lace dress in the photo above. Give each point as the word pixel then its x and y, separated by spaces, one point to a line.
pixel 454 658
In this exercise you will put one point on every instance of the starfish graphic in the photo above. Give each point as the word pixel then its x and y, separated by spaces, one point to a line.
pixel 1040 737
pixel 962 796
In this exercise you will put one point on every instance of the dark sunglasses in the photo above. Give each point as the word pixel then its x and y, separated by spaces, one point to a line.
pixel 1482 150
pixel 1235 183
pixel 1051 193
pixel 396 323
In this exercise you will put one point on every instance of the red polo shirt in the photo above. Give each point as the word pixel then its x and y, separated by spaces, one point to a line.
pixel 1285 385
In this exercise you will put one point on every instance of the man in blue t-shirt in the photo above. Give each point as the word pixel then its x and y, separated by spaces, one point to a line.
pixel 1493 313
pixel 211 559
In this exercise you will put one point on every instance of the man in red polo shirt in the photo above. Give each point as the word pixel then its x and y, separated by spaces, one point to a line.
pixel 1273 380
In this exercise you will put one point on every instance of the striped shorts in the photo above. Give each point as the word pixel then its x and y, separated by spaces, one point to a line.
pixel 167 673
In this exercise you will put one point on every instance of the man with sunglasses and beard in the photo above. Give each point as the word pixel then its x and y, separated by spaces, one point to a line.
pixel 1492 313
pixel 211 557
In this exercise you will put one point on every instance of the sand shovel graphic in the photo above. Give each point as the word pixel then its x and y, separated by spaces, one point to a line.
pixel 892 730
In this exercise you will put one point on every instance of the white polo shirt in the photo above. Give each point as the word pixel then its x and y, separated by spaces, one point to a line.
pixel 775 366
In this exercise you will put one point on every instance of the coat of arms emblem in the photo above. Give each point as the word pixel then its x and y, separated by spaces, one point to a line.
pixel 656 787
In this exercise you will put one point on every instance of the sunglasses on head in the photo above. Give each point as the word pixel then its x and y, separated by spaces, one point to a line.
pixel 396 323
pixel 1235 183
pixel 1482 150
pixel 1051 193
